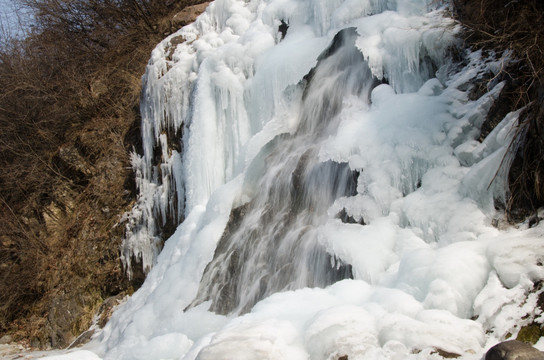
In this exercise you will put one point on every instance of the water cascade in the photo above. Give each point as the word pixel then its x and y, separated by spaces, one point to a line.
pixel 322 157
pixel 273 245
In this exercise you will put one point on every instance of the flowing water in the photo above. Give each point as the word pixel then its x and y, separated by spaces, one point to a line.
pixel 271 243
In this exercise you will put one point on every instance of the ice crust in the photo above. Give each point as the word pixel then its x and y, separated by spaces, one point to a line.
pixel 431 272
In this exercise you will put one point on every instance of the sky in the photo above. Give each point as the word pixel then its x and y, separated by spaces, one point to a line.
pixel 9 20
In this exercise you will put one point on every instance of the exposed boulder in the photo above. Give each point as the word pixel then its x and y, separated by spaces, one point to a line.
pixel 514 350
pixel 188 15
pixel 6 339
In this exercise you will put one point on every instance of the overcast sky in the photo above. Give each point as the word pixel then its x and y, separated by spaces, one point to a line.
pixel 9 20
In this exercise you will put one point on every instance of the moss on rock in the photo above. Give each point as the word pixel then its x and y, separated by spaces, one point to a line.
pixel 530 333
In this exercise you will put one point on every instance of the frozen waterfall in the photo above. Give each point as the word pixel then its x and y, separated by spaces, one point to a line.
pixel 273 245
pixel 333 196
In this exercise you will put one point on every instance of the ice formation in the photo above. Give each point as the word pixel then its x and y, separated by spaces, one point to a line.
pixel 334 197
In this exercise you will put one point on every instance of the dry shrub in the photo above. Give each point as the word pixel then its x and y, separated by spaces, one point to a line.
pixel 69 116
pixel 515 26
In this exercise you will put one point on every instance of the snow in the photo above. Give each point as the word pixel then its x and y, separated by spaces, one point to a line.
pixel 81 354
pixel 431 271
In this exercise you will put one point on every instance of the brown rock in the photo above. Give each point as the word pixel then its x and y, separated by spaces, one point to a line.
pixel 446 354
pixel 513 350
pixel 6 339
pixel 188 15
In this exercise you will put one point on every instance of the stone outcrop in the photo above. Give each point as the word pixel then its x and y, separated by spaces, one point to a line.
pixel 188 15
pixel 514 350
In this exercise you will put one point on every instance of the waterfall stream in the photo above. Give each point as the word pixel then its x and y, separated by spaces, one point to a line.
pixel 271 244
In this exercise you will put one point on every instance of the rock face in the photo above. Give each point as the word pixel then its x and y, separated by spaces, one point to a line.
pixel 188 15
pixel 513 350
pixel 6 339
